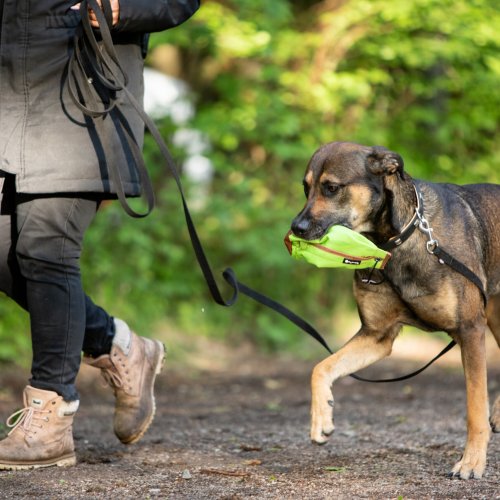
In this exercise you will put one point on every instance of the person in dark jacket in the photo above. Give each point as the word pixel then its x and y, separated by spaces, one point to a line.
pixel 56 167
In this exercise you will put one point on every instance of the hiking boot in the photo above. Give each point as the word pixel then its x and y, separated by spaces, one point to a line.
pixel 130 369
pixel 42 432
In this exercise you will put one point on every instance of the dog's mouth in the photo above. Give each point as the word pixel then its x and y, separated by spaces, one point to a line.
pixel 317 230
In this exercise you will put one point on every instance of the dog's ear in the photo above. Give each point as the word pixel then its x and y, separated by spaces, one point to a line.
pixel 381 161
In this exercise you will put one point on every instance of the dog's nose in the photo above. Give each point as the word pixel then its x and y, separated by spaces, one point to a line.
pixel 300 226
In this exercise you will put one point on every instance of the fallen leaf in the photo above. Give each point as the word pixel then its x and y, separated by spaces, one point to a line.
pixel 335 469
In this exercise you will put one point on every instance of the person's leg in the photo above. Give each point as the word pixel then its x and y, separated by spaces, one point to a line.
pixel 47 243
pixel 129 364
pixel 40 246
pixel 99 330
pixel 63 319
pixel 131 368
pixel 50 235
pixel 99 325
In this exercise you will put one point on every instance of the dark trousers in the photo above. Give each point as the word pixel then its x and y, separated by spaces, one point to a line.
pixel 40 246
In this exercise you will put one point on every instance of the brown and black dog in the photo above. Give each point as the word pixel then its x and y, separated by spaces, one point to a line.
pixel 367 190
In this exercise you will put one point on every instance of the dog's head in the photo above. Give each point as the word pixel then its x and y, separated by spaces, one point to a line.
pixel 344 185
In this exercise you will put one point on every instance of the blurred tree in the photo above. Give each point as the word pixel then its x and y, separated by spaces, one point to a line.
pixel 271 82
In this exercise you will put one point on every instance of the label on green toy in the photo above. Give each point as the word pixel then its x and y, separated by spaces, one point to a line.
pixel 338 247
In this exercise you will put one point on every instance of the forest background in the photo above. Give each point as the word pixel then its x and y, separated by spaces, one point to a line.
pixel 270 83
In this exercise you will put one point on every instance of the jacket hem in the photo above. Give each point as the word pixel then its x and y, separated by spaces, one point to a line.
pixel 39 186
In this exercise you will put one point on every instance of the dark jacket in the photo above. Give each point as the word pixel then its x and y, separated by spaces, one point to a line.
pixel 45 140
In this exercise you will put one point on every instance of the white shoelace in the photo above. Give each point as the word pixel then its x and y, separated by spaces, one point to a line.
pixel 24 419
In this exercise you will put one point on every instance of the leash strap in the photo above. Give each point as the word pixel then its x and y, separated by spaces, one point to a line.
pixel 410 375
pixel 445 258
pixel 310 330
pixel 91 63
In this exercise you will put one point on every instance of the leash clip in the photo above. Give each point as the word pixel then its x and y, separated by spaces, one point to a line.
pixel 424 226
pixel 368 280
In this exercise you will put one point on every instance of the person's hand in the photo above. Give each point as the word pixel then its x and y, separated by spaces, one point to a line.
pixel 115 7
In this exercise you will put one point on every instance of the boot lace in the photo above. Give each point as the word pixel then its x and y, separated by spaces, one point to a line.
pixel 118 377
pixel 25 419
pixel 112 378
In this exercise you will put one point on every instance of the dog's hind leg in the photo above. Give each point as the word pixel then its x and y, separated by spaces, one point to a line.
pixel 473 461
pixel 493 314
pixel 363 349
pixel 495 416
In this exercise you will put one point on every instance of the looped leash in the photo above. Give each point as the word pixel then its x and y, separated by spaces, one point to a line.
pixel 95 76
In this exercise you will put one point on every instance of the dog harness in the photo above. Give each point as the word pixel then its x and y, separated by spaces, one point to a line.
pixel 432 244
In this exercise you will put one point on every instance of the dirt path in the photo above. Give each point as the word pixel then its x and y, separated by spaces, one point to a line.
pixel 242 432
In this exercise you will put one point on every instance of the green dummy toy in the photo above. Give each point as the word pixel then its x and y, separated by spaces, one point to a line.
pixel 338 247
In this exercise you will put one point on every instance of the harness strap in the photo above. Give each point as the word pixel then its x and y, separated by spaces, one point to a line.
pixel 445 258
pixel 91 61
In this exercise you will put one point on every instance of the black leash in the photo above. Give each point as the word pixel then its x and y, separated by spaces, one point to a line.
pixel 94 78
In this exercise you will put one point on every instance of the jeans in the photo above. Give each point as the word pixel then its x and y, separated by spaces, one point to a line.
pixel 40 245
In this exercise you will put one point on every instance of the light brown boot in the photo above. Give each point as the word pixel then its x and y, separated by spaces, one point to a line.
pixel 130 369
pixel 42 433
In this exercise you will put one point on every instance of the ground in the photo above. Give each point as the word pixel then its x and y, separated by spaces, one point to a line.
pixel 240 430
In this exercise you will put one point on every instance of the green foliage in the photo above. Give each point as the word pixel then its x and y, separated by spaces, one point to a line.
pixel 272 81
pixel 15 343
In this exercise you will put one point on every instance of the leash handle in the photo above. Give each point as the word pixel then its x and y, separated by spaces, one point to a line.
pixel 95 76
pixel 91 61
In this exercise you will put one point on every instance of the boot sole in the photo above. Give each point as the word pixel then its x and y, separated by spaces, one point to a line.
pixel 66 461
pixel 162 352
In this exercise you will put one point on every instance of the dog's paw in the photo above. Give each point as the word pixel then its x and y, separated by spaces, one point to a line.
pixel 471 466
pixel 322 428
pixel 321 408
pixel 495 423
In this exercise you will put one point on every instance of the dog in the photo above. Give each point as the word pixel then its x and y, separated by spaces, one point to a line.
pixel 367 190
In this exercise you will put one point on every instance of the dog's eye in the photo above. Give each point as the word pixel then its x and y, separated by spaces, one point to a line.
pixel 329 189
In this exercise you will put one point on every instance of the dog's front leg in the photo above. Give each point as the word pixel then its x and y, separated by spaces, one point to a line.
pixel 362 350
pixel 473 461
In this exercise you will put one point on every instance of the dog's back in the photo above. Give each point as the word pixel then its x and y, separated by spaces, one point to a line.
pixel 466 222
pixel 484 200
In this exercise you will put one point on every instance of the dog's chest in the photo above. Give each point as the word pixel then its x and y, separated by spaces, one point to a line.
pixel 437 309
